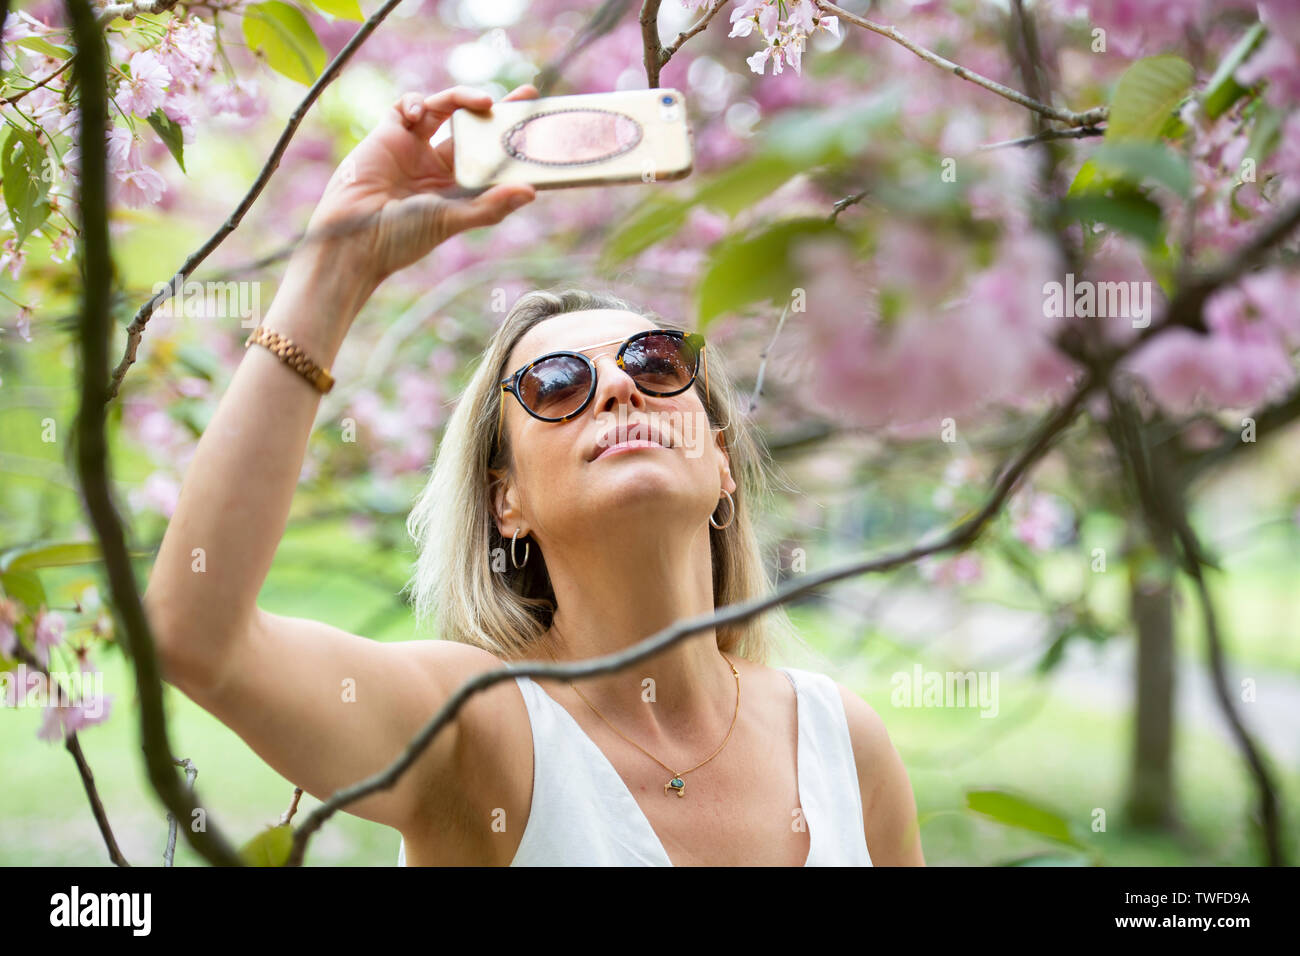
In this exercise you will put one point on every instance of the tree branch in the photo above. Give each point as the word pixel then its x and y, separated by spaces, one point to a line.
pixel 654 53
pixel 135 330
pixel 1187 305
pixel 960 536
pixel 91 440
pixel 1087 118
pixel 1164 506
pixel 128 11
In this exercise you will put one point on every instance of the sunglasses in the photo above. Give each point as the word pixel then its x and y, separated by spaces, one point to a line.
pixel 558 386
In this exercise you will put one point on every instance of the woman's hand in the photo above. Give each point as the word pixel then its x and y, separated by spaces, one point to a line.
pixel 388 187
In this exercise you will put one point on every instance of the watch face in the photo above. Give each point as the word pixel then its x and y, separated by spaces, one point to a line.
pixel 572 137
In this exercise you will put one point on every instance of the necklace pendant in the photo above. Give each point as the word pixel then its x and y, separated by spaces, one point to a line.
pixel 677 784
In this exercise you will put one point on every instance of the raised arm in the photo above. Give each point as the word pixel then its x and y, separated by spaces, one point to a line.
pixel 323 707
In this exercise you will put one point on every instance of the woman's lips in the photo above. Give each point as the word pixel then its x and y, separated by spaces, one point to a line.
pixel 627 446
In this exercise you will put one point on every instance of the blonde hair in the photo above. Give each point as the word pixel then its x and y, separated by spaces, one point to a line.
pixel 454 525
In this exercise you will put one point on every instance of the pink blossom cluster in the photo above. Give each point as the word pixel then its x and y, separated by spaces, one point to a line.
pixel 1042 521
pixel 177 75
pixel 964 568
pixel 1245 359
pixel 784 39
pixel 1140 28
pixel 402 432
pixel 990 343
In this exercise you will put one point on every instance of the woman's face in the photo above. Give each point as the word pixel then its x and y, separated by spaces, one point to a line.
pixel 573 479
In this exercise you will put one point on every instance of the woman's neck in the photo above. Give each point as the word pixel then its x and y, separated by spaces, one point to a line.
pixel 611 600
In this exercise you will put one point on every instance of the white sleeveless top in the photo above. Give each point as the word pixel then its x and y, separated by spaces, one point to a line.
pixel 583 814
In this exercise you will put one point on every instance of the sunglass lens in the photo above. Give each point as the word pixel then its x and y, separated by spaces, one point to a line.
pixel 556 387
pixel 661 363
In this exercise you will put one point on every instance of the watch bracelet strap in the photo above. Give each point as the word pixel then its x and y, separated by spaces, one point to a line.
pixel 293 356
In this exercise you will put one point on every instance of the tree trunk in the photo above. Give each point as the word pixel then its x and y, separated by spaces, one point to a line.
pixel 1151 801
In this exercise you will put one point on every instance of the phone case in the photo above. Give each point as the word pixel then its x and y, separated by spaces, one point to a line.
pixel 588 139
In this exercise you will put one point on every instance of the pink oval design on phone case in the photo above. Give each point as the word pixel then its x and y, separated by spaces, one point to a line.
pixel 572 137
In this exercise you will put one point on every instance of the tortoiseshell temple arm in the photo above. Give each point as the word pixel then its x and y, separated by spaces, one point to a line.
pixel 501 410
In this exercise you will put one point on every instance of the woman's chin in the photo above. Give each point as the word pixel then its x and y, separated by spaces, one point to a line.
pixel 635 479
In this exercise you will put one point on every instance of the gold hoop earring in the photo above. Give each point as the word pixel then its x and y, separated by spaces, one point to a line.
pixel 730 517
pixel 514 558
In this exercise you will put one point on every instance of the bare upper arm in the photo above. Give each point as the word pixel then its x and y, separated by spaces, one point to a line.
pixel 888 805
pixel 327 709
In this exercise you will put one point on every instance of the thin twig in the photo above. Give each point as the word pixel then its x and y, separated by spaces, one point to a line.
pixel 1087 118
pixel 762 364
pixel 287 816
pixel 1048 135
pixel 601 22
pixel 845 203
pixel 11 100
pixel 73 746
pixel 91 447
pixel 667 53
pixel 135 331
pixel 191 773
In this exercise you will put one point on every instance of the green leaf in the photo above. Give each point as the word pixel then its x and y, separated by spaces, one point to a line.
pixel 657 218
pixel 1055 652
pixel 56 555
pixel 755 268
pixel 1146 95
pixel 269 848
pixel 1050 859
pixel 1024 814
pixel 170 133
pixel 24 586
pixel 1138 162
pixel 1265 134
pixel 41 45
pixel 343 9
pixel 1223 89
pixel 200 361
pixel 812 137
pixel 1090 178
pixel 50 556
pixel 26 194
pixel 283 35
pixel 1133 214
pixel 741 186
pixel 793 143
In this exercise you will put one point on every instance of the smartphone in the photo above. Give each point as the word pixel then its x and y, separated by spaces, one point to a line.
pixel 589 139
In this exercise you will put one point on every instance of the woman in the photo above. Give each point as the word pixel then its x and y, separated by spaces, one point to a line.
pixel 547 531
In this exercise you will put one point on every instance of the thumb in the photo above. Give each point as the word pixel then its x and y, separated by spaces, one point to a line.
pixel 487 208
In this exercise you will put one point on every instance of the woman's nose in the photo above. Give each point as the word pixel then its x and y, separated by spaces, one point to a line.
pixel 614 386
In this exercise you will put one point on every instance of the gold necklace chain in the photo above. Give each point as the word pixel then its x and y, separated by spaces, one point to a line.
pixel 676 784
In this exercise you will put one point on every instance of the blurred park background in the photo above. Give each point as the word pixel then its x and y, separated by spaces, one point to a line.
pixel 916 362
